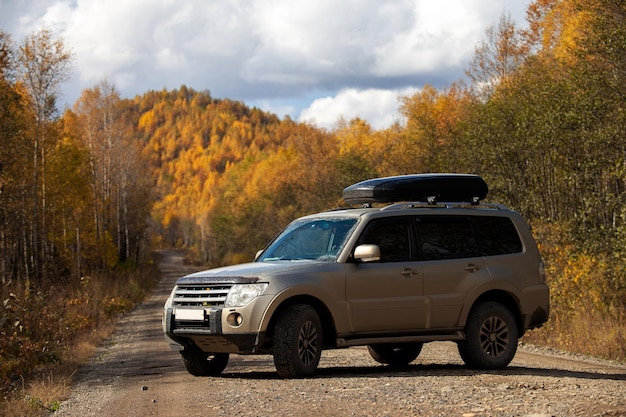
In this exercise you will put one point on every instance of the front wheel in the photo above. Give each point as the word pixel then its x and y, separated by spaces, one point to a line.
pixel 297 341
pixel 491 337
pixel 199 363
pixel 395 355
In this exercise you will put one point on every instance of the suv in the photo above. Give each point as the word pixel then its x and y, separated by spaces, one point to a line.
pixel 391 277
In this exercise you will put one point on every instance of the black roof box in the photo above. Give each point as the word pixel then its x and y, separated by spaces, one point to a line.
pixel 428 188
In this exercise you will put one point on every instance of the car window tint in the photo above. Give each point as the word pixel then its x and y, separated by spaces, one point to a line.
pixel 392 235
pixel 496 235
pixel 446 237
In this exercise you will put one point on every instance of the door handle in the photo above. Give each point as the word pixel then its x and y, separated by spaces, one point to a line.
pixel 408 272
pixel 472 268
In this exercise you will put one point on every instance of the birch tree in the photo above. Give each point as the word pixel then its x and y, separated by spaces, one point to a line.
pixel 43 65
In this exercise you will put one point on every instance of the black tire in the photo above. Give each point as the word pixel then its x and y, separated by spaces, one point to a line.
pixel 491 337
pixel 297 342
pixel 395 355
pixel 199 363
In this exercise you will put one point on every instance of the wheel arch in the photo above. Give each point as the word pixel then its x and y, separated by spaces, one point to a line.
pixel 502 297
pixel 326 318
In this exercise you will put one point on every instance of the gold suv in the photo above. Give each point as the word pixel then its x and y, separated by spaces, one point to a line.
pixel 436 264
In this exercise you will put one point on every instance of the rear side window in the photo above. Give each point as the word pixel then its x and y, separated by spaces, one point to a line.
pixel 496 235
pixel 446 237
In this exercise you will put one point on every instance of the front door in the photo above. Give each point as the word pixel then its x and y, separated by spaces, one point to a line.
pixel 387 294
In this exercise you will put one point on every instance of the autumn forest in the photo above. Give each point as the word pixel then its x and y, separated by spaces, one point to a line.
pixel 87 193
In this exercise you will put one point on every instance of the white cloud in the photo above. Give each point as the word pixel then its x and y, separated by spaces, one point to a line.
pixel 320 40
pixel 267 51
pixel 169 59
pixel 430 43
pixel 378 107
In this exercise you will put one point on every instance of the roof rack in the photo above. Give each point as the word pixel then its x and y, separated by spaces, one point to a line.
pixel 444 205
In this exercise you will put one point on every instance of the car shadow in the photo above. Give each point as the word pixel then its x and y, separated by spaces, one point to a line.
pixel 424 370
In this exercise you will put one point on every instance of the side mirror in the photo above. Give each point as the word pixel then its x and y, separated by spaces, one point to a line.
pixel 367 253
pixel 258 254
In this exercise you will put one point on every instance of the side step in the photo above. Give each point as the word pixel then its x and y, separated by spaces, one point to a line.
pixel 343 343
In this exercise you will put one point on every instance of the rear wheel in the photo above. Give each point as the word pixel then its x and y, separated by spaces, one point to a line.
pixel 396 355
pixel 199 363
pixel 491 337
pixel 297 341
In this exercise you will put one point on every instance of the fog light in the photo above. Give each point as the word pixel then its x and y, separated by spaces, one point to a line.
pixel 234 319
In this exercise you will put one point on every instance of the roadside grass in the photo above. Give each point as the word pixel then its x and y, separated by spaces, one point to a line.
pixel 47 334
pixel 584 332
pixel 43 392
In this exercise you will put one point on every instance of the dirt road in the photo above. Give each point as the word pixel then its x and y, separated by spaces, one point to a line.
pixel 136 374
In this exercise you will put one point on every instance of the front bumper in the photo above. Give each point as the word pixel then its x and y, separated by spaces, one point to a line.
pixel 207 333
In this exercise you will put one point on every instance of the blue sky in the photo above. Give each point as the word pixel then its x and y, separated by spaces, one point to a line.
pixel 315 61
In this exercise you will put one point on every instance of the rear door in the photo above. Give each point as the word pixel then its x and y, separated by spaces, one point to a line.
pixel 452 267
pixel 387 294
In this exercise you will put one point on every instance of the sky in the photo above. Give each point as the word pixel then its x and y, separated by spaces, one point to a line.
pixel 316 61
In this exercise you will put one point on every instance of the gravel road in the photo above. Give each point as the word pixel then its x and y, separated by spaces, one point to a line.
pixel 135 373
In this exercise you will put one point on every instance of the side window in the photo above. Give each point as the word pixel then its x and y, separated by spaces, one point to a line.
pixel 446 237
pixel 393 237
pixel 496 235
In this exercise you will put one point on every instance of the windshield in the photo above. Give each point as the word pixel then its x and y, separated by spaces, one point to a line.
pixel 316 239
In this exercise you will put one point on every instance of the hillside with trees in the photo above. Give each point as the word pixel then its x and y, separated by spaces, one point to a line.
pixel 86 194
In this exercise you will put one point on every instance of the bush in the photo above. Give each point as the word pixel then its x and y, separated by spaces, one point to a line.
pixel 37 327
pixel 588 311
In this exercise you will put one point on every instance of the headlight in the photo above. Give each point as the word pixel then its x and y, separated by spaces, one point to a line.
pixel 168 302
pixel 242 294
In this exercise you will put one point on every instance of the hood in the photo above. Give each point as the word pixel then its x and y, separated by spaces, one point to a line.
pixel 251 272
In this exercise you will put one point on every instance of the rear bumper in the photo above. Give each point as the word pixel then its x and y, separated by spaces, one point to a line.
pixel 536 300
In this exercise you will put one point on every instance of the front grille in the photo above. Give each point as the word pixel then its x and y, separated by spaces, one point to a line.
pixel 199 295
pixel 192 324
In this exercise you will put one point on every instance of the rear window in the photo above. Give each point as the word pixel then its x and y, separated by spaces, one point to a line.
pixel 496 235
pixel 454 237
pixel 446 237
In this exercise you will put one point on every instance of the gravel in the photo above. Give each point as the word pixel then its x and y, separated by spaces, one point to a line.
pixel 135 373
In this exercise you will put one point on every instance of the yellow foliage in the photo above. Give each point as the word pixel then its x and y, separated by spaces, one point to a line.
pixel 146 121
pixel 558 26
pixel 583 317
pixel 355 136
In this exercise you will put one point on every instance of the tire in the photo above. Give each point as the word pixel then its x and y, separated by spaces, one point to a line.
pixel 398 355
pixel 297 342
pixel 199 363
pixel 491 337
